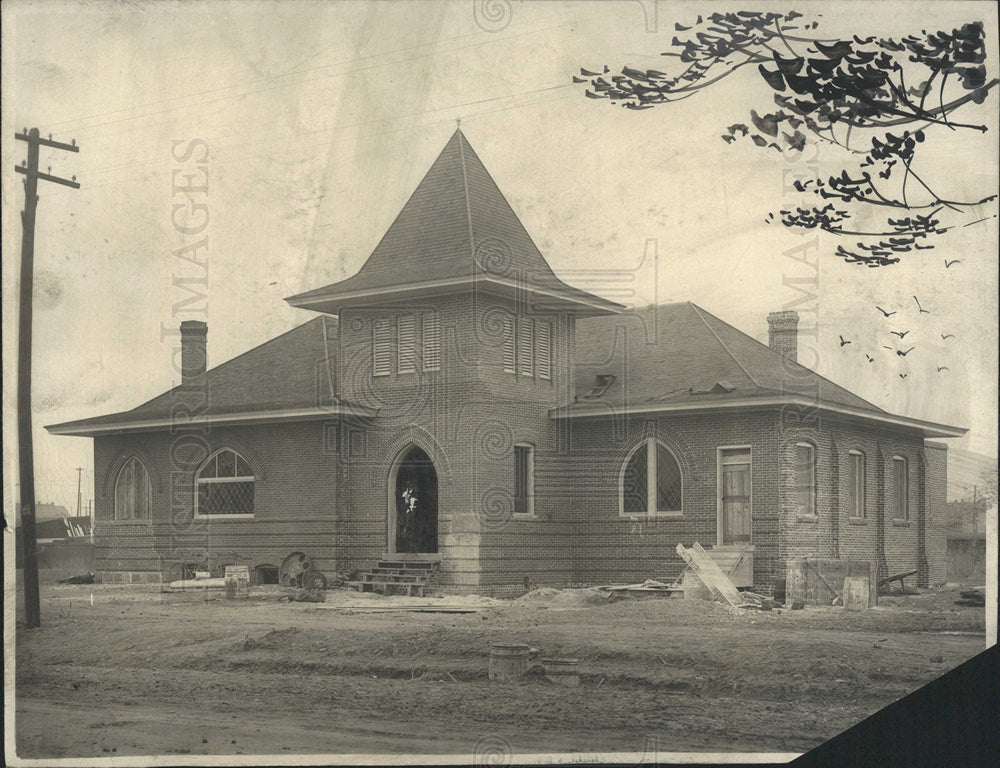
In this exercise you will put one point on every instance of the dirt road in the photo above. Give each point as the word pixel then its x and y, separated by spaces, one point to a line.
pixel 146 673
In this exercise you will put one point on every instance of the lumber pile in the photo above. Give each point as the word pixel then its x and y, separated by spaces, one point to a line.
pixel 649 586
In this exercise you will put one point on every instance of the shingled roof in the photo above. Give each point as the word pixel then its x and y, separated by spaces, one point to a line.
pixel 291 376
pixel 675 357
pixel 456 227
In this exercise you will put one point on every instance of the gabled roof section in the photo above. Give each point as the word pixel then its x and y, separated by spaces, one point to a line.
pixel 678 357
pixel 292 376
pixel 456 228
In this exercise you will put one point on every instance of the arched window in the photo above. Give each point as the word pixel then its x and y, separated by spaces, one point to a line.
pixel 224 486
pixel 651 481
pixel 133 491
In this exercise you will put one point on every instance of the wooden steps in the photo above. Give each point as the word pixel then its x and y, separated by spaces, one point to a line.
pixel 408 575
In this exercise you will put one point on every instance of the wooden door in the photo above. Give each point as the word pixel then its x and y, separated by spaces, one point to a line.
pixel 735 501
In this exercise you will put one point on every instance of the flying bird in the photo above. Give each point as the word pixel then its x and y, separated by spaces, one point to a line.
pixel 947 263
pixel 843 341
pixel 901 353
pixel 887 314
pixel 943 368
pixel 946 336
pixel 922 310
pixel 870 358
pixel 903 375
pixel 901 334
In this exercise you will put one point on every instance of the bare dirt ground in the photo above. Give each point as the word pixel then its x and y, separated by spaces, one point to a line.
pixel 140 672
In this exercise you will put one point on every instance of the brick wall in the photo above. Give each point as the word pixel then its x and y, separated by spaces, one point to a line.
pixel 295 505
pixel 467 416
pixel 610 547
pixel 322 487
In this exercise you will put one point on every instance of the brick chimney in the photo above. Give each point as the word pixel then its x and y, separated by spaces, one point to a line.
pixel 194 349
pixel 783 332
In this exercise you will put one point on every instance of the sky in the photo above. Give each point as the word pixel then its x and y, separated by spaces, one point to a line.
pixel 316 120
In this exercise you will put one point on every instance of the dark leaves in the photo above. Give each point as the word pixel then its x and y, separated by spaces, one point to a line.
pixel 796 141
pixel 767 124
pixel 789 66
pixel 836 51
pixel 868 260
pixel 851 93
pixel 773 79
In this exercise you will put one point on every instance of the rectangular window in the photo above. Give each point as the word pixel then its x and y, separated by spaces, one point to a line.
pixel 432 342
pixel 805 480
pixel 856 479
pixel 381 347
pixel 900 489
pixel 524 480
pixel 406 355
pixel 543 349
pixel 509 346
pixel 526 347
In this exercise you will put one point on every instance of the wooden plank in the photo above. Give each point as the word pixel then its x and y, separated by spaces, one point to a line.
pixel 711 575
pixel 723 583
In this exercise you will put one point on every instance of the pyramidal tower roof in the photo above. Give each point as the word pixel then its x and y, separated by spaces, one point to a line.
pixel 456 229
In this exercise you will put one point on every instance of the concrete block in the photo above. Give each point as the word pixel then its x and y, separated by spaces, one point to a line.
pixel 856 593
pixel 810 580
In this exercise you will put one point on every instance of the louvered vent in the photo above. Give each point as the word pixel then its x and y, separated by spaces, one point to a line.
pixel 381 347
pixel 543 349
pixel 407 355
pixel 509 346
pixel 432 342
pixel 526 347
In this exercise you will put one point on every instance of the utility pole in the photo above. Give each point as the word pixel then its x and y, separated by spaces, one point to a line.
pixel 32 610
pixel 79 498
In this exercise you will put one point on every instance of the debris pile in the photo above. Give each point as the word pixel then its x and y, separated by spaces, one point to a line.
pixel 296 595
pixel 568 598
pixel 973 598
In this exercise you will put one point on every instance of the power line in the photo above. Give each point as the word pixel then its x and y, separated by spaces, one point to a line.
pixel 207 91
pixel 87 131
pixel 284 139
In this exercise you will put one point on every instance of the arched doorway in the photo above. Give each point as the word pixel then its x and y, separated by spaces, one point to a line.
pixel 413 503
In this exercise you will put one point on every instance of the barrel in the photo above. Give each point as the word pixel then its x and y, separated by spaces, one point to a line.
pixel 562 671
pixel 237 581
pixel 694 588
pixel 508 661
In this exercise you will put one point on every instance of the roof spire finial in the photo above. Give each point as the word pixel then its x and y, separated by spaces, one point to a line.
pixel 458 123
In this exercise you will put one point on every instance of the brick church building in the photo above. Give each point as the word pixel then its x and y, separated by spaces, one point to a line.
pixel 455 401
